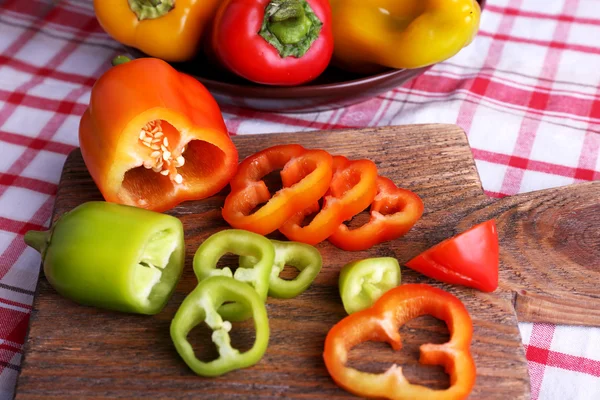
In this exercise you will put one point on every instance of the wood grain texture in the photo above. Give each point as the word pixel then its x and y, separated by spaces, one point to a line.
pixel 81 352
pixel 550 252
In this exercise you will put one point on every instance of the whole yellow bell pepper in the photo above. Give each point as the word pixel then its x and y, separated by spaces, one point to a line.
pixel 159 28
pixel 401 33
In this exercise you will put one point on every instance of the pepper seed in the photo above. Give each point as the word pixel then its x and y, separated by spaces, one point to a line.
pixel 153 137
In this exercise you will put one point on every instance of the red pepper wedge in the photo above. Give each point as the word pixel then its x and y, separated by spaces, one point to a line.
pixel 353 187
pixel 273 42
pixel 153 137
pixel 381 323
pixel 305 175
pixel 393 213
pixel 469 259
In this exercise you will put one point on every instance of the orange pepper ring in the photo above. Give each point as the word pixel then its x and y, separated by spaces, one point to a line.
pixel 352 188
pixel 393 213
pixel 381 323
pixel 305 175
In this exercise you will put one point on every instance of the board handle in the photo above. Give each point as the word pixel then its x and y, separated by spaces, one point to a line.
pixel 550 252
pixel 531 307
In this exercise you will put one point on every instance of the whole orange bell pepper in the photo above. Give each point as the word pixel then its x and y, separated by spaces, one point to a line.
pixel 381 323
pixel 153 137
pixel 401 34
pixel 167 29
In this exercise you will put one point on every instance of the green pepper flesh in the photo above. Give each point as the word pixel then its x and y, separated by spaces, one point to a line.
pixel 362 282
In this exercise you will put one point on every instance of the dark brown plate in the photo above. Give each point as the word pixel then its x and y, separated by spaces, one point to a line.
pixel 333 89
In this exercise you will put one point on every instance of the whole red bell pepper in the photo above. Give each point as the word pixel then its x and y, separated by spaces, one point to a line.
pixel 273 42
pixel 382 322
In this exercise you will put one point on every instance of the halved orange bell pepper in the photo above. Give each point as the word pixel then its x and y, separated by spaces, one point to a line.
pixel 305 175
pixel 393 213
pixel 167 29
pixel 153 137
pixel 352 189
pixel 381 323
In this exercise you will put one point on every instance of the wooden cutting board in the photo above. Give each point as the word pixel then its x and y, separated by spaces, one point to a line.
pixel 550 269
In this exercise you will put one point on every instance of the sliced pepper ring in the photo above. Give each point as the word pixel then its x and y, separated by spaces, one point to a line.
pixel 242 243
pixel 382 322
pixel 393 213
pixel 353 187
pixel 305 175
pixel 202 305
pixel 305 258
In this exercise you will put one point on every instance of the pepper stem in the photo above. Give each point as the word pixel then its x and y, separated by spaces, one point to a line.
pixel 118 60
pixel 286 10
pixel 39 240
pixel 289 23
pixel 150 9
pixel 290 26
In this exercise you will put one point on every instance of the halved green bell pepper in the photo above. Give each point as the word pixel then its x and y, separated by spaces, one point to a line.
pixel 363 282
pixel 113 256
pixel 241 243
pixel 305 258
pixel 202 304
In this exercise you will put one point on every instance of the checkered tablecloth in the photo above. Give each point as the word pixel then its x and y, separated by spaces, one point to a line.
pixel 527 92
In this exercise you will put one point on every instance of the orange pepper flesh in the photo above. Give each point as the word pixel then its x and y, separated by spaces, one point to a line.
pixel 128 102
pixel 305 175
pixel 381 323
pixel 393 213
pixel 352 189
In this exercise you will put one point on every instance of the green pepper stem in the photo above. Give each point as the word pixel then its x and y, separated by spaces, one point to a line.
pixel 38 240
pixel 287 21
pixel 150 9
pixel 287 10
pixel 291 26
pixel 118 60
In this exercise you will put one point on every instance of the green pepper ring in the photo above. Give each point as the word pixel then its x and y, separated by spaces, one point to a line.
pixel 305 258
pixel 242 243
pixel 202 305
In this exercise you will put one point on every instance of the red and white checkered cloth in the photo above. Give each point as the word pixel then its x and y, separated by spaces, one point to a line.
pixel 527 91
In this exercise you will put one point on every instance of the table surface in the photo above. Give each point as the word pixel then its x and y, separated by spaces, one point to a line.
pixel 527 92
